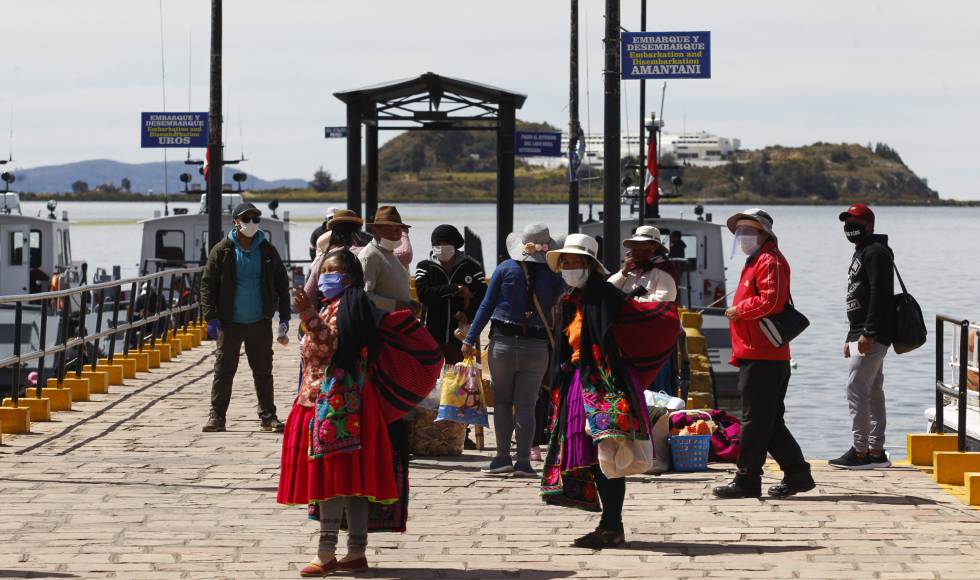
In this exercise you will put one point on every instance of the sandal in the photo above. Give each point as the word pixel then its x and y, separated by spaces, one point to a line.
pixel 355 565
pixel 319 570
pixel 599 539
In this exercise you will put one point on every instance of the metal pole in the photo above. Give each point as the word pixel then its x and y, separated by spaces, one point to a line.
pixel 506 126
pixel 43 340
pixel 18 320
pixel 961 400
pixel 215 161
pixel 611 146
pixel 118 294
pixel 98 329
pixel 574 128
pixel 80 354
pixel 940 426
pixel 371 167
pixel 641 217
pixel 63 355
pixel 354 157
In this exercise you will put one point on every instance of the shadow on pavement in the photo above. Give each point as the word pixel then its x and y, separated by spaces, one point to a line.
pixel 867 498
pixel 695 549
pixel 34 574
pixel 518 571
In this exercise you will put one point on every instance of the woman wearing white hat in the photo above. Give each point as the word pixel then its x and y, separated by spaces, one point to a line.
pixel 646 274
pixel 598 372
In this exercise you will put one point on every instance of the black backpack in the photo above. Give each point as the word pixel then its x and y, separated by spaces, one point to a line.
pixel 910 327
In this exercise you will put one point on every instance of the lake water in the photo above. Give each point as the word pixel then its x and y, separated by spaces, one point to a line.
pixel 932 247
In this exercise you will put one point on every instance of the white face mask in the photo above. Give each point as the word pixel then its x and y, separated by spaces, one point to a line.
pixel 248 229
pixel 390 245
pixel 575 278
pixel 749 243
pixel 444 253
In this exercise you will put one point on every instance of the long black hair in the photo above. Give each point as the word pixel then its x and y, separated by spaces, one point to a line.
pixel 357 318
pixel 345 234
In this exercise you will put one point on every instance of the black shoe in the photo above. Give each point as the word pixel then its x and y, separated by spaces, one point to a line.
pixel 599 539
pixel 739 488
pixel 851 460
pixel 469 445
pixel 879 460
pixel 273 425
pixel 214 425
pixel 792 485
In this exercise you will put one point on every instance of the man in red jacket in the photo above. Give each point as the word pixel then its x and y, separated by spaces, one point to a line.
pixel 763 290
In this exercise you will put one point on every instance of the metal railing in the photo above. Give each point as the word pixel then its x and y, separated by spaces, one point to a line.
pixel 143 323
pixel 959 392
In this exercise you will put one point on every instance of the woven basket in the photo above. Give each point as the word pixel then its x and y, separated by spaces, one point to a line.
pixel 430 438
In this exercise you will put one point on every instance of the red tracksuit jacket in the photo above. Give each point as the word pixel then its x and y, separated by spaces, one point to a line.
pixel 763 289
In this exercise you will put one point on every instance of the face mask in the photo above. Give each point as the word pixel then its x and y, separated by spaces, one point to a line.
pixel 444 253
pixel 854 232
pixel 749 243
pixel 390 245
pixel 248 229
pixel 575 278
pixel 331 284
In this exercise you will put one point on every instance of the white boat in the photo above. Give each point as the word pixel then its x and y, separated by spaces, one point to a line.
pixel 950 402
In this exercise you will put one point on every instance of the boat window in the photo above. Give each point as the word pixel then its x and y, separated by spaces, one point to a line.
pixel 170 245
pixel 67 241
pixel 35 245
pixel 16 248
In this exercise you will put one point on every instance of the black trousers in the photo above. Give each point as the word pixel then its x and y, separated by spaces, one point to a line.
pixel 763 385
pixel 258 349
pixel 612 495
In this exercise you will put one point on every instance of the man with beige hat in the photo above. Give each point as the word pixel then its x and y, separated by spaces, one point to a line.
pixel 385 278
pixel 646 275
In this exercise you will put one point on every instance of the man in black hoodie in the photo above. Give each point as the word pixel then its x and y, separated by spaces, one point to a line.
pixel 871 314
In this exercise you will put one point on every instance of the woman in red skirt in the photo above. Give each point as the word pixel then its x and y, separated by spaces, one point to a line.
pixel 344 449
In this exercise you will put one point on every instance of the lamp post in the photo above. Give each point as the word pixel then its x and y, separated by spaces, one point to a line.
pixel 611 137
pixel 214 157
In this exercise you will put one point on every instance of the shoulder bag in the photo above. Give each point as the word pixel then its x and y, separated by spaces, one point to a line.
pixel 781 328
pixel 910 328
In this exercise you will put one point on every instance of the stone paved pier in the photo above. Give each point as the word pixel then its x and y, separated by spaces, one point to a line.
pixel 128 487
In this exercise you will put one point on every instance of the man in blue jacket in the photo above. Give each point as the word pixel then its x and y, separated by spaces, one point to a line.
pixel 244 284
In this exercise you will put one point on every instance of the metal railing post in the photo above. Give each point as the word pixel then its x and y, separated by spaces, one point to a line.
pixel 142 339
pixel 167 325
pixel 63 339
pixel 98 329
pixel 115 321
pixel 43 340
pixel 940 425
pixel 18 320
pixel 961 403
pixel 129 319
pixel 80 352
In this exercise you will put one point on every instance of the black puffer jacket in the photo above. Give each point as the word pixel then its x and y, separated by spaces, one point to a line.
pixel 218 283
pixel 436 289
pixel 871 291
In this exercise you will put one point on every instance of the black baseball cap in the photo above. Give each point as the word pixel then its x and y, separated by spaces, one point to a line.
pixel 243 208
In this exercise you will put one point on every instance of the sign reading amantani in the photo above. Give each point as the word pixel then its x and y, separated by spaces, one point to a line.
pixel 666 55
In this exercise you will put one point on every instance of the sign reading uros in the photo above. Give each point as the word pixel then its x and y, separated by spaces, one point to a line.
pixel 174 130
pixel 666 55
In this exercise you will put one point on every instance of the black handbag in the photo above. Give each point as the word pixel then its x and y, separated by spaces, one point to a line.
pixel 910 327
pixel 785 326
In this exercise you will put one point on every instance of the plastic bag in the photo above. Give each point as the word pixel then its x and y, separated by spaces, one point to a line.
pixel 461 397
pixel 621 457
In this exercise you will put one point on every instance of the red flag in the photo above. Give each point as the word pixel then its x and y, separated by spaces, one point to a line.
pixel 653 172
pixel 207 159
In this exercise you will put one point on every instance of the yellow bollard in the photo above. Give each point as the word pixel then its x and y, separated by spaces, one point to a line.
pixel 142 361
pixel 15 420
pixel 98 382
pixel 186 343
pixel 921 446
pixel 165 352
pixel 972 481
pixel 128 365
pixel 950 466
pixel 175 346
pixel 152 356
pixel 115 372
pixel 39 409
pixel 60 398
pixel 80 389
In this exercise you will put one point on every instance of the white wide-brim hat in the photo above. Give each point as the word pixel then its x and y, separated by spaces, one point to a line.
pixel 759 216
pixel 580 245
pixel 531 244
pixel 643 234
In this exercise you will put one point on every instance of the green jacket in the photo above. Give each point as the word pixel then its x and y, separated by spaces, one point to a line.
pixel 218 283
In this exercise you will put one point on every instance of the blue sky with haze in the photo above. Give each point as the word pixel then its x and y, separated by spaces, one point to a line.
pixel 77 74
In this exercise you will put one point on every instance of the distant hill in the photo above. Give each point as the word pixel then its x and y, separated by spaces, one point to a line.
pixel 822 172
pixel 142 177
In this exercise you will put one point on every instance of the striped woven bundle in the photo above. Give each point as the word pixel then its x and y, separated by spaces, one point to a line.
pixel 408 364
pixel 646 333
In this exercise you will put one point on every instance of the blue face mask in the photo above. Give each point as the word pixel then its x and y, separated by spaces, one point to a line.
pixel 331 285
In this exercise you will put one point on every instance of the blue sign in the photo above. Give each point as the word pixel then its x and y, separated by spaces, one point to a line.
pixel 666 55
pixel 174 130
pixel 335 132
pixel 538 143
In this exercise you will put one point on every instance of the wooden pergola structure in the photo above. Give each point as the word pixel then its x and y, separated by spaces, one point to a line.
pixel 430 102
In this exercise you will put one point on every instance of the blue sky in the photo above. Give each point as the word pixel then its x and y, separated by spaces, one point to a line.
pixel 77 74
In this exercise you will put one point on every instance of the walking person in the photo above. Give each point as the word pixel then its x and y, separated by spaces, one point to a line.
pixel 385 276
pixel 647 274
pixel 363 369
pixel 450 286
pixel 600 369
pixel 518 305
pixel 871 315
pixel 243 285
pixel 764 370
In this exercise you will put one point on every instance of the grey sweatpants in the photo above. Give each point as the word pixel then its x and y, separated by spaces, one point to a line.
pixel 866 399
pixel 517 367
pixel 331 512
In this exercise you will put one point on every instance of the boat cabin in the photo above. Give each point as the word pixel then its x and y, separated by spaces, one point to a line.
pixel 33 249
pixel 182 238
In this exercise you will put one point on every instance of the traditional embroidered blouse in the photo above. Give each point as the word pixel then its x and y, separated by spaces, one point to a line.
pixel 316 350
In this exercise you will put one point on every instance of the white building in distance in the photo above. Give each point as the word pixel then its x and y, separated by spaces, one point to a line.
pixel 699 149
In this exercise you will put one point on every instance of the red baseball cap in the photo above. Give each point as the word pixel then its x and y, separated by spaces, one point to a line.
pixel 858 211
